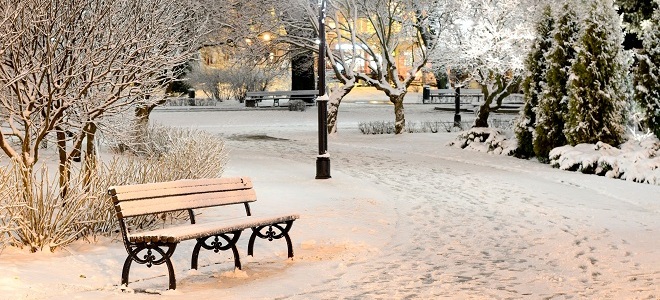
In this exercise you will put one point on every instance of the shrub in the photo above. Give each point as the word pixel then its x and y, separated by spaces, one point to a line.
pixel 647 75
pixel 596 87
pixel 485 139
pixel 552 110
pixel 635 160
pixel 38 218
pixel 170 154
pixel 386 127
pixel 536 67
pixel 34 215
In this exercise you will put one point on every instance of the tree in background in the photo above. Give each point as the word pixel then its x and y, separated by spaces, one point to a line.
pixel 647 74
pixel 536 66
pixel 343 16
pixel 596 86
pixel 489 41
pixel 552 108
pixel 399 29
pixel 66 65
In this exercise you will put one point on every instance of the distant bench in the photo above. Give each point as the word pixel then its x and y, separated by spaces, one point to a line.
pixel 252 99
pixel 470 100
pixel 447 96
pixel 155 247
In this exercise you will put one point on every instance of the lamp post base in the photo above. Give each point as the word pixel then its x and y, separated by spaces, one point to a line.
pixel 323 168
pixel 457 120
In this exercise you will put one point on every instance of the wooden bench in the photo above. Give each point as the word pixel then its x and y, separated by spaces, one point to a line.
pixel 252 99
pixel 155 247
pixel 447 96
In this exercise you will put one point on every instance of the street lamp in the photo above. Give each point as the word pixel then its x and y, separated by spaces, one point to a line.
pixel 323 159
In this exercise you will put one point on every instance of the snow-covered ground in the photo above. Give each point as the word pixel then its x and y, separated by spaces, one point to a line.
pixel 402 217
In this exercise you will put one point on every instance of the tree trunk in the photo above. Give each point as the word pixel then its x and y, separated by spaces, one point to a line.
pixel 64 165
pixel 142 113
pixel 336 96
pixel 90 155
pixel 482 116
pixel 400 119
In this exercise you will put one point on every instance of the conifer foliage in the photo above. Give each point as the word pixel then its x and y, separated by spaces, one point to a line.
pixel 596 87
pixel 536 67
pixel 553 104
pixel 647 74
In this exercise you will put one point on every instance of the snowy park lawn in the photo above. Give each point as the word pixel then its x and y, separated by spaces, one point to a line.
pixel 402 217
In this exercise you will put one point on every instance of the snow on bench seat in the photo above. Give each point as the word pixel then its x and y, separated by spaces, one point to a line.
pixel 186 195
pixel 193 231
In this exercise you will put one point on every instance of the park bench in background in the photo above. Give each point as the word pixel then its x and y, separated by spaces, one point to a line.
pixel 252 99
pixel 155 247
pixel 447 96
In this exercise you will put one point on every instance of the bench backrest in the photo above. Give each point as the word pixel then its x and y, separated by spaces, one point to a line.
pixel 471 92
pixel 453 91
pixel 142 199
pixel 442 91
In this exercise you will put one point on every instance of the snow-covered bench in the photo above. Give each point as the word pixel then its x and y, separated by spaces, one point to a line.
pixel 155 247
pixel 252 99
pixel 448 96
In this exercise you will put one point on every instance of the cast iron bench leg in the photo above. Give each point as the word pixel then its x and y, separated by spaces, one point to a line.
pixel 217 245
pixel 150 259
pixel 270 234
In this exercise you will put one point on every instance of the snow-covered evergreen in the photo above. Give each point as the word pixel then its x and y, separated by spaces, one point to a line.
pixel 596 87
pixel 536 67
pixel 553 104
pixel 647 74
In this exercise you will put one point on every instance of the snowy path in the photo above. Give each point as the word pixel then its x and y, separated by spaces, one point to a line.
pixel 476 229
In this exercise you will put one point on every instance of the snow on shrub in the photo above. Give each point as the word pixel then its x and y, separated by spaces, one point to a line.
pixel 635 160
pixel 172 154
pixel 34 215
pixel 387 127
pixel 482 139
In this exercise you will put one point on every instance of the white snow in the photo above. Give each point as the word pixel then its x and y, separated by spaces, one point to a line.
pixel 402 217
pixel 202 229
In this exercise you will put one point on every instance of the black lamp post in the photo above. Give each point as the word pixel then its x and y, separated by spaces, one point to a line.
pixel 323 159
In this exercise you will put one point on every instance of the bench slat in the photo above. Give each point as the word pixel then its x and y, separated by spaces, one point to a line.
pixel 183 202
pixel 178 187
pixel 193 231
pixel 139 195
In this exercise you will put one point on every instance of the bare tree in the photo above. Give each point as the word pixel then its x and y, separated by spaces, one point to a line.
pixel 488 44
pixel 391 39
pixel 72 62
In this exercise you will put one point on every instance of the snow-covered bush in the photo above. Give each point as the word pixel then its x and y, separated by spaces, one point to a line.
pixel 647 74
pixel 39 218
pixel 33 214
pixel 6 220
pixel 376 127
pixel 297 105
pixel 635 160
pixel 552 110
pixel 536 69
pixel 174 153
pixel 385 127
pixel 596 86
pixel 489 140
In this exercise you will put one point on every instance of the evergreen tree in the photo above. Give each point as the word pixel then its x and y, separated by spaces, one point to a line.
pixel 536 67
pixel 553 103
pixel 596 86
pixel 647 74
